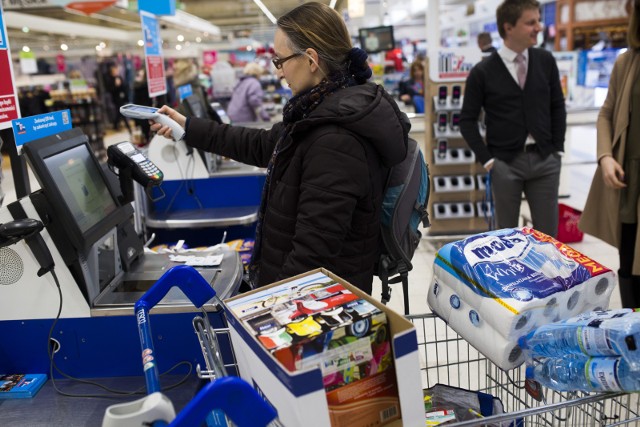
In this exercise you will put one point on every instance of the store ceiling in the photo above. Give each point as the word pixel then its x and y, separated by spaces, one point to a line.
pixel 234 18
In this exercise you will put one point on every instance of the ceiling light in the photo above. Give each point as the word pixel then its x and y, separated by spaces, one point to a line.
pixel 26 49
pixel 45 47
pixel 103 45
pixel 178 47
pixel 25 29
pixel 64 47
pixel 332 5
pixel 140 43
pixel 266 11
pixel 180 38
pixel 198 39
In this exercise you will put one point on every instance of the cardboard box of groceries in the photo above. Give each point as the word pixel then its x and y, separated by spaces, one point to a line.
pixel 322 352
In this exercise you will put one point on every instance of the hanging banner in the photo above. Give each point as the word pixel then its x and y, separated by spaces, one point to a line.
pixel 8 99
pixel 90 6
pixel 158 7
pixel 28 63
pixel 154 61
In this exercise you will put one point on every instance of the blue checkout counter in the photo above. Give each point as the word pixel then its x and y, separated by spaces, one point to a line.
pixel 99 268
pixel 205 197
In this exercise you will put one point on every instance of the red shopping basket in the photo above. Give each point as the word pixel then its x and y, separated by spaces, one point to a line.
pixel 568 231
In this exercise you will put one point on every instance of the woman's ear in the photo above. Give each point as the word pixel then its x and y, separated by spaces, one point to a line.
pixel 314 58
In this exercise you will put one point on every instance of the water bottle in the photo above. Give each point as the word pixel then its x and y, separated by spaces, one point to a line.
pixel 584 373
pixel 598 333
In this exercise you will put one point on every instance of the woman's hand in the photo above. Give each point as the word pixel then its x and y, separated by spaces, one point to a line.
pixel 164 130
pixel 612 173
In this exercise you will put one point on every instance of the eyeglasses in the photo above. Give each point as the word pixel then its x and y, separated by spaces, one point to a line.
pixel 277 62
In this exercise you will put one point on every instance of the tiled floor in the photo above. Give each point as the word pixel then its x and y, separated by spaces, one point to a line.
pixel 578 169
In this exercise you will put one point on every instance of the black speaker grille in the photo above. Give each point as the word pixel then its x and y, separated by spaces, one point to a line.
pixel 11 266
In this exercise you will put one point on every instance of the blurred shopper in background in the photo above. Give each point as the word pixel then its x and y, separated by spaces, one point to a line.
pixel 484 43
pixel 141 97
pixel 412 90
pixel 611 211
pixel 118 91
pixel 246 101
pixel 185 72
pixel 519 90
pixel 326 161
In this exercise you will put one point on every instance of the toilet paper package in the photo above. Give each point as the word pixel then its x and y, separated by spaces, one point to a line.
pixel 507 273
pixel 463 318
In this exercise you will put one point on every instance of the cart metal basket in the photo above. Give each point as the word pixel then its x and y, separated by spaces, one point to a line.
pixel 446 358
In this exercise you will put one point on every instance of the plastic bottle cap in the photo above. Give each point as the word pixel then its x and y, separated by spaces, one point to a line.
pixel 528 373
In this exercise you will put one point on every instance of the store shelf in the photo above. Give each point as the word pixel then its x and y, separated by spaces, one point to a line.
pixel 457 193
pixel 573 33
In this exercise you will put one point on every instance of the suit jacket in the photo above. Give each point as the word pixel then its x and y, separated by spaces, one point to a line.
pixel 600 217
pixel 512 113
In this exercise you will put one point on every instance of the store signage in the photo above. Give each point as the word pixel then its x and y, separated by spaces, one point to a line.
pixel 209 57
pixel 90 6
pixel 9 109
pixel 158 7
pixel 85 6
pixel 185 91
pixel 453 64
pixel 28 129
pixel 154 61
pixel 28 63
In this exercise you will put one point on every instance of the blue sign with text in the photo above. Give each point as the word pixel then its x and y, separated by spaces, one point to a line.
pixel 31 128
pixel 185 91
pixel 158 7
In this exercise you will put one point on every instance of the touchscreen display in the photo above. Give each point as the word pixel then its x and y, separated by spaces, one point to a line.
pixel 142 109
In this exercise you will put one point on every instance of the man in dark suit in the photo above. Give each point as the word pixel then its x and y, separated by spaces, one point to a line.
pixel 519 89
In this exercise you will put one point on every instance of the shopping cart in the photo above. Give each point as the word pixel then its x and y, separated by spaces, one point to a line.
pixel 223 400
pixel 446 358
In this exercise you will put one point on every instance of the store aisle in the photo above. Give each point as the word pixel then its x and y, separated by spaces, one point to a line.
pixel 579 164
pixel 578 168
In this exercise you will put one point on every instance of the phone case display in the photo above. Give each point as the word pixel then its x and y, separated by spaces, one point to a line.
pixel 457 203
pixel 326 325
pixel 324 353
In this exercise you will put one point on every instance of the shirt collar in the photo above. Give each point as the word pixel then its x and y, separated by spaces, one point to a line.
pixel 509 56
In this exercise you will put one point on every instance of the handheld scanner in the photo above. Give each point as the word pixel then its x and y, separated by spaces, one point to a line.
pixel 143 112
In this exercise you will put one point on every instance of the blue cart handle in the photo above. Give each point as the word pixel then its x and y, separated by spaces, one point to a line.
pixel 185 277
pixel 235 397
pixel 194 286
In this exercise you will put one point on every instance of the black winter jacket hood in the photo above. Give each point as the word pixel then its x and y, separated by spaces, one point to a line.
pixel 370 113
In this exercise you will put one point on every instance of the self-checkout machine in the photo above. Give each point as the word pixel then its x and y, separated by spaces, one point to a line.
pixel 88 267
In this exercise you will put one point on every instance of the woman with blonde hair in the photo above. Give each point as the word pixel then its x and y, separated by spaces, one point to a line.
pixel 246 100
pixel 326 162
pixel 412 90
pixel 611 211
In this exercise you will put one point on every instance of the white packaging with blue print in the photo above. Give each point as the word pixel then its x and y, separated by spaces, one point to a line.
pixel 515 280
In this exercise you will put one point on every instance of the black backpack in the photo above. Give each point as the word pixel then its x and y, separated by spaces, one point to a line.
pixel 404 208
